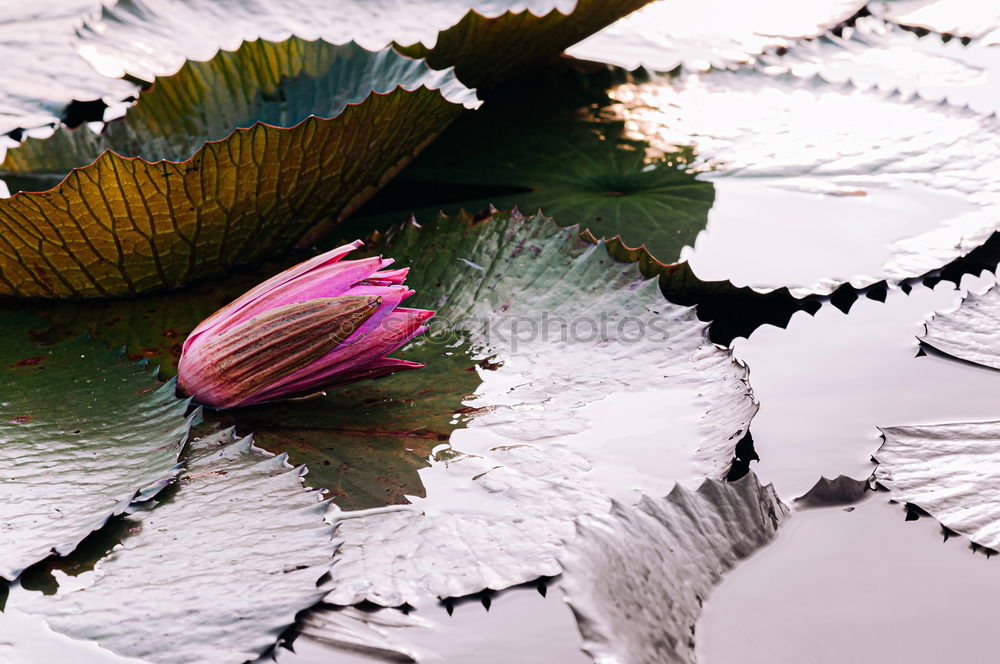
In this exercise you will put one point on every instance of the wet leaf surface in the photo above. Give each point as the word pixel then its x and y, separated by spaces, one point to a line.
pixel 880 54
pixel 699 34
pixel 968 332
pixel 861 186
pixel 636 579
pixel 486 40
pixel 550 142
pixel 947 470
pixel 256 538
pixel 544 442
pixel 963 18
pixel 83 433
pixel 37 90
pixel 305 112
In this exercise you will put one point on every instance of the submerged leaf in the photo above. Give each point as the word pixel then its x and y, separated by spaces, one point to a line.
pixel 82 434
pixel 948 470
pixel 820 184
pixel 566 339
pixel 699 34
pixel 320 128
pixel 486 40
pixel 636 578
pixel 551 142
pixel 239 518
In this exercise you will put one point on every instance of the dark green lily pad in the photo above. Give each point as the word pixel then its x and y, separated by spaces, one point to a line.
pixel 550 142
pixel 364 443
pixel 83 433
pixel 214 573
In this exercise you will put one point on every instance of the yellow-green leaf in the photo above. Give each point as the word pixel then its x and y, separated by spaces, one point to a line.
pixel 319 128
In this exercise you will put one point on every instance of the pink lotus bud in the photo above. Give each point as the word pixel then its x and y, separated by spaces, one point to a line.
pixel 322 323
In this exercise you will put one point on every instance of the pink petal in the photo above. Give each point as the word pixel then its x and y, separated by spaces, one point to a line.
pixel 308 280
pixel 400 327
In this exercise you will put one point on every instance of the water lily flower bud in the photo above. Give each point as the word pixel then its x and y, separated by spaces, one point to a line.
pixel 322 323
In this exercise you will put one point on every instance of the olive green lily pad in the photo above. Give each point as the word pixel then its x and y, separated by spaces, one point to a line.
pixel 636 578
pixel 151 204
pixel 83 434
pixel 551 143
pixel 593 387
pixel 214 573
pixel 485 40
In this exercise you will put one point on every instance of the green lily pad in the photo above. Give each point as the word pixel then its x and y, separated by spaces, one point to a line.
pixel 83 434
pixel 550 142
pixel 241 520
pixel 307 116
pixel 366 442
pixel 636 578
pixel 567 340
pixel 486 40
pixel 151 327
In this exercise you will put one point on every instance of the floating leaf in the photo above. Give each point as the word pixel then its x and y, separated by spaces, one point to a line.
pixel 35 90
pixel 82 434
pixel 486 40
pixel 125 224
pixel 561 153
pixel 636 578
pixel 970 331
pixel 699 34
pixel 964 18
pixel 874 53
pixel 948 470
pixel 379 634
pixel 544 441
pixel 854 182
pixel 841 490
pixel 239 518
pixel 150 327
